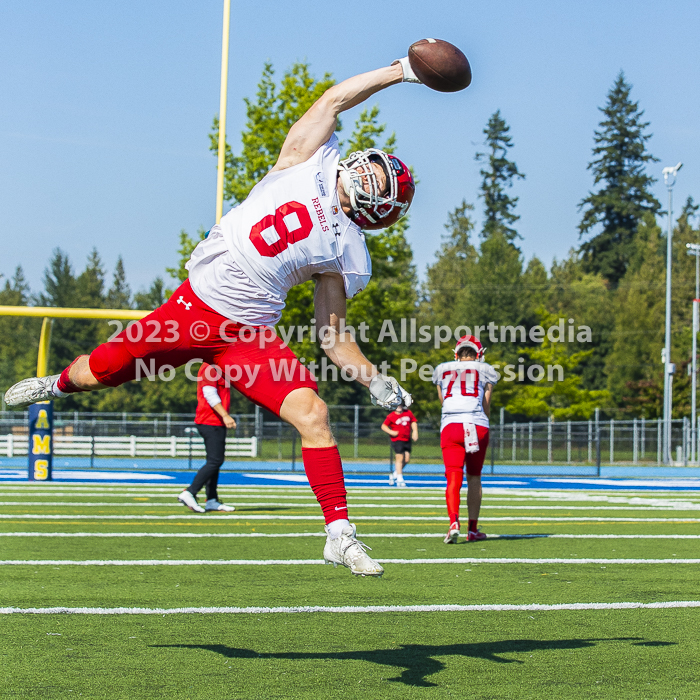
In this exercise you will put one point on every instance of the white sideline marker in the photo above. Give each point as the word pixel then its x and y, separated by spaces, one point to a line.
pixel 316 562
pixel 351 609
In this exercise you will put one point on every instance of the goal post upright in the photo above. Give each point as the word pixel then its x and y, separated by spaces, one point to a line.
pixel 40 434
pixel 223 96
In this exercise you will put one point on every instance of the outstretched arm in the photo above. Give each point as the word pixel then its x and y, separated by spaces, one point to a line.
pixel 330 308
pixel 321 120
pixel 341 348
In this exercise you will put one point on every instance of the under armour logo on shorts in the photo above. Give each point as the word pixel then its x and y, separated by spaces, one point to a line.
pixel 186 303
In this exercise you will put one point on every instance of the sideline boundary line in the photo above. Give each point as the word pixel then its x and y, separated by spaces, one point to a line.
pixel 350 609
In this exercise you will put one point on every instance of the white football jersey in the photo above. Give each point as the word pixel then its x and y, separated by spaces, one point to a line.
pixel 463 384
pixel 289 228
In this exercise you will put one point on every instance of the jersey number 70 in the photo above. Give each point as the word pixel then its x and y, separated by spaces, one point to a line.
pixel 469 382
pixel 285 237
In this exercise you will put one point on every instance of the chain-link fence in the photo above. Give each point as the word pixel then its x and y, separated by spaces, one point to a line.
pixel 552 446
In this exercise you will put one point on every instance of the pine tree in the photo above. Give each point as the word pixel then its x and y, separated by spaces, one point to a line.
pixel 497 175
pixel 119 294
pixel 620 156
pixel 60 286
pixel 584 297
pixel 634 369
pixel 187 245
pixel 447 278
pixel 153 297
pixel 19 336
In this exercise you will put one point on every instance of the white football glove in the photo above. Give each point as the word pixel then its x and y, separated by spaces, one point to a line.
pixel 387 393
pixel 409 75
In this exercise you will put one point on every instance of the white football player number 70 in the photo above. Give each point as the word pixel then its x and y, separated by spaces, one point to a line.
pixel 469 382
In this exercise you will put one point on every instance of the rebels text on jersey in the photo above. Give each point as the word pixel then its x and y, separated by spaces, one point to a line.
pixel 289 228
pixel 463 384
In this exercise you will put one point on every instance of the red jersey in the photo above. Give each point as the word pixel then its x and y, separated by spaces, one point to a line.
pixel 214 377
pixel 401 422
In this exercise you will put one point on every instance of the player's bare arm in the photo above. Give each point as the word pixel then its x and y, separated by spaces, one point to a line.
pixel 414 432
pixel 439 389
pixel 341 348
pixel 488 389
pixel 330 309
pixel 321 120
pixel 389 431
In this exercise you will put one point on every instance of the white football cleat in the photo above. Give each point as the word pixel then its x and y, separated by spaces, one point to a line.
pixel 452 534
pixel 30 391
pixel 213 504
pixel 348 551
pixel 392 478
pixel 187 499
pixel 400 482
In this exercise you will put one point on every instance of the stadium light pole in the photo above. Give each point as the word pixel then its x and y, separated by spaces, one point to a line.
pixel 221 164
pixel 669 174
pixel 694 249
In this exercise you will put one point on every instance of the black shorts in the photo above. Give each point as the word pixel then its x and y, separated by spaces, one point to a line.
pixel 401 446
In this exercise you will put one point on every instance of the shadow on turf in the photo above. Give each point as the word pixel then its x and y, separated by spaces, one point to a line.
pixel 418 659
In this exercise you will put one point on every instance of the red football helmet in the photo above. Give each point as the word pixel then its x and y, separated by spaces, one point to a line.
pixel 469 341
pixel 374 209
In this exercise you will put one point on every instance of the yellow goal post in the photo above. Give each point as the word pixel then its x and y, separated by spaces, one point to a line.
pixel 49 313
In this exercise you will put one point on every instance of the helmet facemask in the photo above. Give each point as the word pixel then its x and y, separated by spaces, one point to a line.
pixel 370 206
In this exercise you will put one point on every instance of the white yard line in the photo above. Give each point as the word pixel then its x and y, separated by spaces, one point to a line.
pixel 303 562
pixel 352 609
pixel 392 535
pixel 357 518
pixel 412 500
pixel 313 504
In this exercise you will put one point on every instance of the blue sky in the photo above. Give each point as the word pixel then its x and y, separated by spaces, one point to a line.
pixel 106 108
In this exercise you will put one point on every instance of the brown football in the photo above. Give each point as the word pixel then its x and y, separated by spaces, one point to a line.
pixel 440 65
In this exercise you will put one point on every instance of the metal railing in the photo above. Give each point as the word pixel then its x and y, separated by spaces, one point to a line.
pixel 359 435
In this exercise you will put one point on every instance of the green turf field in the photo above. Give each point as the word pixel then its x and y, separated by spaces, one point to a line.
pixel 185 599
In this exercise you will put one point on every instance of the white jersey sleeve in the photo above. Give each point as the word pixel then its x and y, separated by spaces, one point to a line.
pixel 462 385
pixel 289 228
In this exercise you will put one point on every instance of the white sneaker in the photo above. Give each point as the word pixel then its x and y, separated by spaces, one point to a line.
pixel 187 499
pixel 30 391
pixel 213 504
pixel 348 551
pixel 400 483
pixel 392 478
pixel 452 534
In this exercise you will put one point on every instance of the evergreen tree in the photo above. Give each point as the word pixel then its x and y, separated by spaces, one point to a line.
pixel 497 175
pixel 187 245
pixel 565 399
pixel 585 298
pixel 151 298
pixel 19 336
pixel 620 157
pixel 60 286
pixel 119 294
pixel 448 277
pixel 73 337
